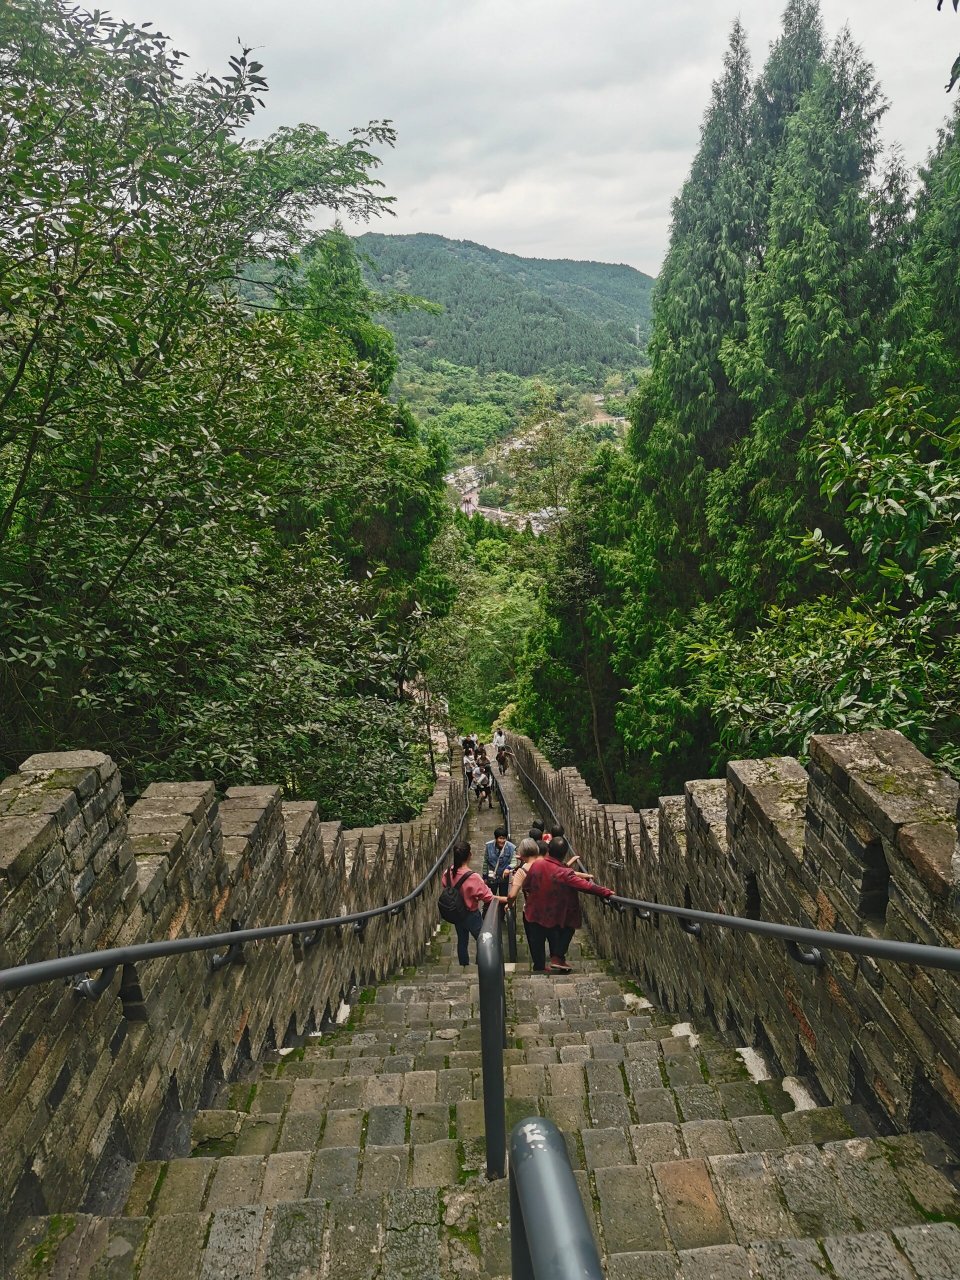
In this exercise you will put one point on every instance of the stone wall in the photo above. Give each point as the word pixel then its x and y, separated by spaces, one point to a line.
pixel 85 1085
pixel 862 841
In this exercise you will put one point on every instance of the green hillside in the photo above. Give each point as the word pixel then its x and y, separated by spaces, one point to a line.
pixel 502 312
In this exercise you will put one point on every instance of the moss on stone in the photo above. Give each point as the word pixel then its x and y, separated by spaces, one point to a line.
pixel 59 1227
pixel 465 1174
pixel 151 1206
pixel 215 1147
pixel 468 1236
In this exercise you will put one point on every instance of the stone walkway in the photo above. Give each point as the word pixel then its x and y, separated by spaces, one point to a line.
pixel 361 1155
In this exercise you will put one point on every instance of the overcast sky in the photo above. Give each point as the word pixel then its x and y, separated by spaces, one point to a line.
pixel 549 128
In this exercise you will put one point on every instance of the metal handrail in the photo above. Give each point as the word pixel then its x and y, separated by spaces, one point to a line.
pixel 502 802
pixel 796 937
pixel 511 919
pixel 493 1037
pixel 30 975
pixel 550 1235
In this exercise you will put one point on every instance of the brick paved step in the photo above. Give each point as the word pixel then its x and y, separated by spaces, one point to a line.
pixel 247 1159
pixel 359 1155
pixel 425 1234
pixel 848 1187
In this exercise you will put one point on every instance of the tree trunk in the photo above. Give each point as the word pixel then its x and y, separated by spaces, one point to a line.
pixel 595 723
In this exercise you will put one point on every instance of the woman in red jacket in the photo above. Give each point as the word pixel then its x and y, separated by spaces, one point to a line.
pixel 475 892
pixel 549 894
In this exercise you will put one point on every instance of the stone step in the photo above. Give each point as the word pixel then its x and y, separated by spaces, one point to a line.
pixel 316 1150
pixel 360 1154
pixel 287 1115
pixel 426 1233
pixel 928 1252
pixel 420 1233
pixel 847 1187
pixel 611 1091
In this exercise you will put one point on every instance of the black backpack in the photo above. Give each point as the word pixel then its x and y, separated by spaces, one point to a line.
pixel 450 904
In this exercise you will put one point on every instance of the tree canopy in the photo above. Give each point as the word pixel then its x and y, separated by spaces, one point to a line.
pixel 772 553
pixel 213 523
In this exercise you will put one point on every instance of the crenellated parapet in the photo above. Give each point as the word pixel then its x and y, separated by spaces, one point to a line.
pixel 83 1083
pixel 864 841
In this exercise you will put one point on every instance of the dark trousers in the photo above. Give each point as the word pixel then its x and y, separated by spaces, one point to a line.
pixel 539 936
pixel 470 926
pixel 558 946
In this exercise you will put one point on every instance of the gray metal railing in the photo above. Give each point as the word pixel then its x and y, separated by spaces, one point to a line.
pixel 502 802
pixel 493 1037
pixel 511 916
pixel 550 1236
pixel 805 946
pixel 110 959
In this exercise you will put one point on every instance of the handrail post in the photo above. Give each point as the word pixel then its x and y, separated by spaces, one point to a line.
pixel 549 1231
pixel 511 918
pixel 502 802
pixel 492 1038
pixel 512 936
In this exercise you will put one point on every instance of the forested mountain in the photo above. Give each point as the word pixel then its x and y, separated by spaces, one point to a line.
pixel 515 315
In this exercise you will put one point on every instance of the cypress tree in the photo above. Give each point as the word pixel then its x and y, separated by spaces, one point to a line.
pixel 815 316
pixel 787 75
pixel 700 298
pixel 930 314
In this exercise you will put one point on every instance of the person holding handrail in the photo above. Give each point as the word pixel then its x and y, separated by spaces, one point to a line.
pixel 548 886
pixel 498 856
pixel 474 892
pixel 571 919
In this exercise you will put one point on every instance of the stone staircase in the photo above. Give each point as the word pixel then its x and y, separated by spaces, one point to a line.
pixel 360 1155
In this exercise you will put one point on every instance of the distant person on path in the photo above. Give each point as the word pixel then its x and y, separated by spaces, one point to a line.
pixel 498 855
pixel 475 895
pixel 483 784
pixel 499 739
pixel 549 890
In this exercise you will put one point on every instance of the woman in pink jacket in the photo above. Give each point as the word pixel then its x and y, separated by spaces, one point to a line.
pixel 476 895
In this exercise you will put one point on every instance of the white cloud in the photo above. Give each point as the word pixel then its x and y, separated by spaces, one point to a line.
pixel 540 126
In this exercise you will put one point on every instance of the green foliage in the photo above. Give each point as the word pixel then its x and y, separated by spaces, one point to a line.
pixel 193 490
pixel 815 320
pixel 553 454
pixel 929 315
pixel 504 313
pixel 471 428
pixel 708 617
pixel 469 658
pixel 473 412
pixel 883 649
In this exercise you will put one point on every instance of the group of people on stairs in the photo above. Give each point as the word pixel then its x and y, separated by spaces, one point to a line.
pixel 477 769
pixel 477 772
pixel 540 868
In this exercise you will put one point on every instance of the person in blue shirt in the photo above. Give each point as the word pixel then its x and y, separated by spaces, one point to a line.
pixel 497 858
